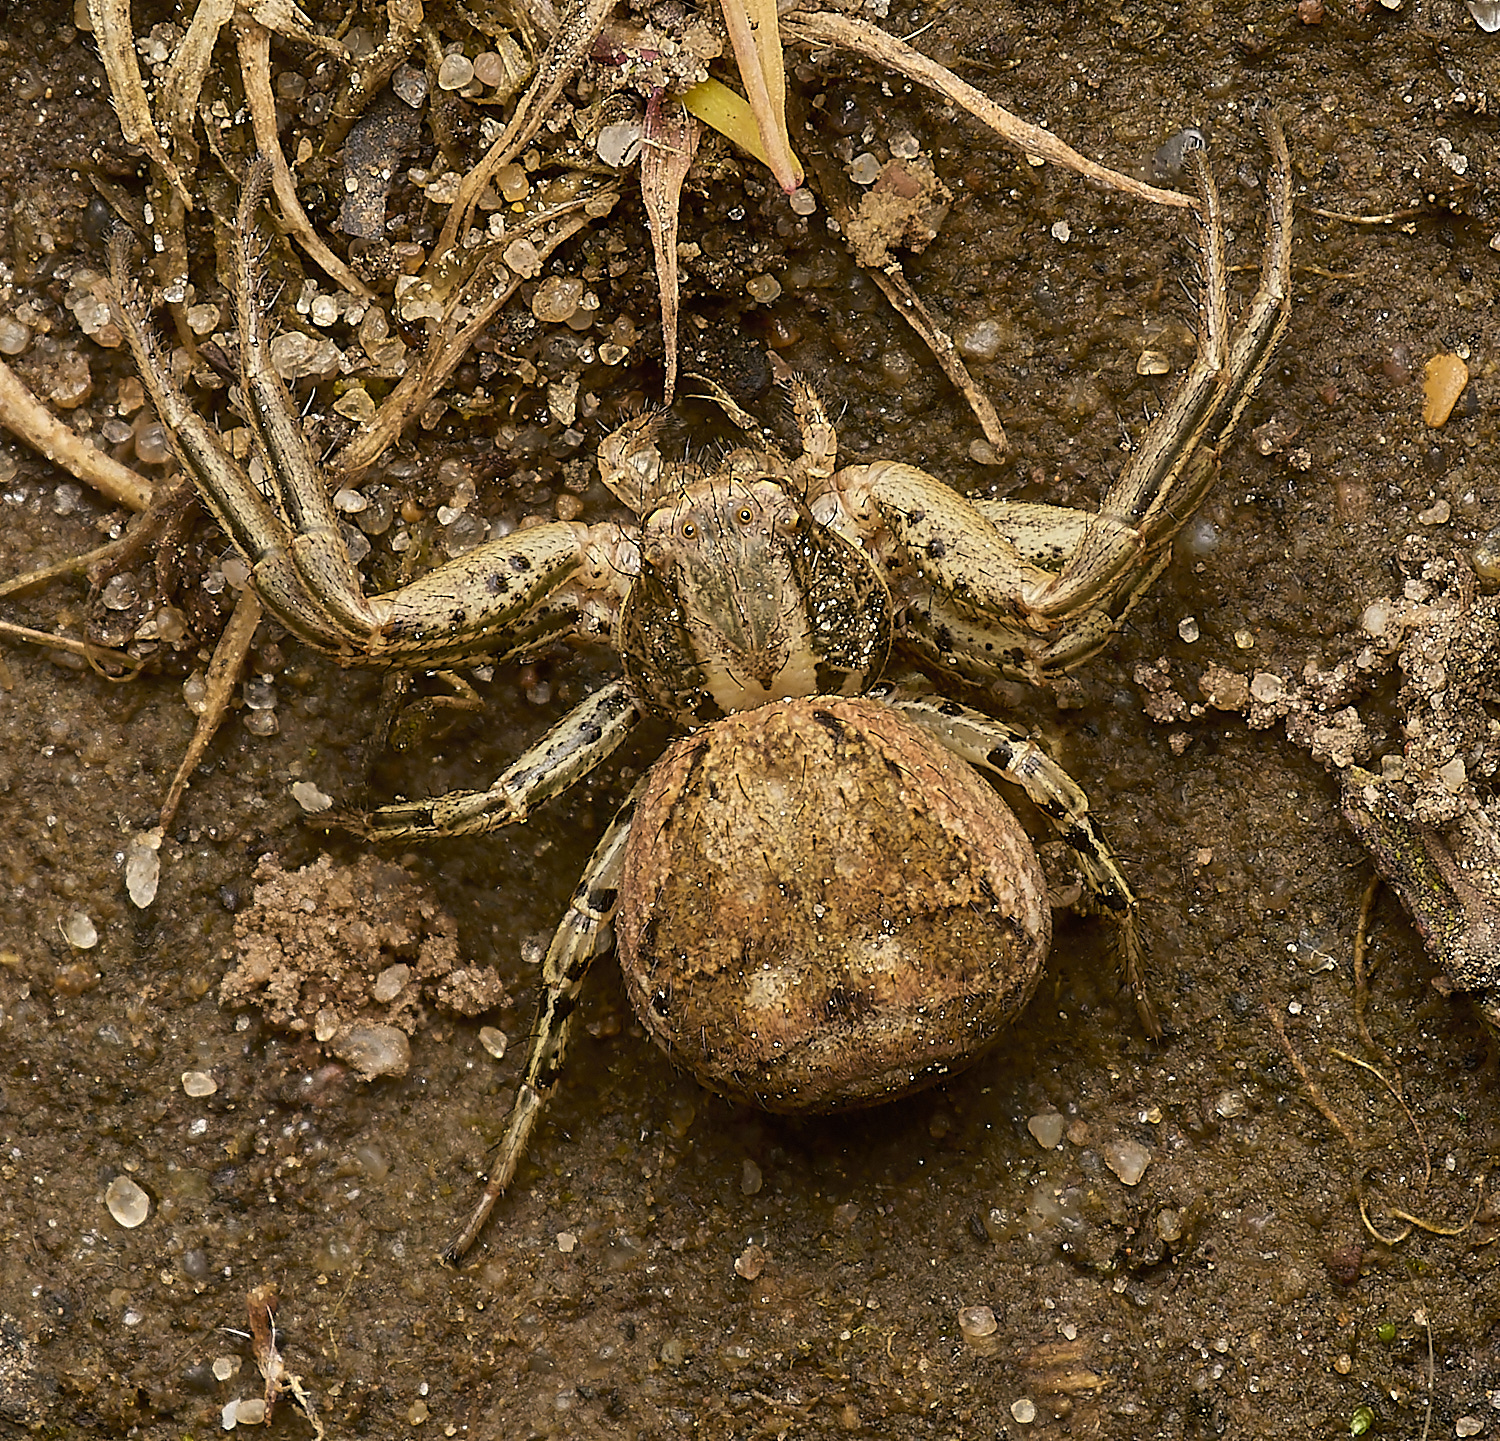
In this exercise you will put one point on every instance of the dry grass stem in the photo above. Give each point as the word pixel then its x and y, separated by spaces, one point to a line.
pixel 669 142
pixel 29 420
pixel 116 40
pixel 755 34
pixel 1415 1223
pixel 1314 1091
pixel 254 43
pixel 908 304
pixel 570 45
pixel 186 74
pixel 825 28
pixel 448 348
pixel 93 654
pixel 261 1305
pixel 1400 1100
pixel 73 565
pixel 224 671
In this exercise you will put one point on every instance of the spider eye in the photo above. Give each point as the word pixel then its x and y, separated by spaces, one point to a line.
pixel 689 530
pixel 745 515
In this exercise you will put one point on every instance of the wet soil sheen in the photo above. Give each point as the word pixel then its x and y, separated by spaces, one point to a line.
pixel 1085 1234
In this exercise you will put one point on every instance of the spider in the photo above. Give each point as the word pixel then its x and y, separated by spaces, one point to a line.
pixel 755 605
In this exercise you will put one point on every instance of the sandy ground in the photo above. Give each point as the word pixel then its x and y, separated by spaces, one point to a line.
pixel 667 1263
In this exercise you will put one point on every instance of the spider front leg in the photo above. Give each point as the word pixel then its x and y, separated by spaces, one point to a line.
pixel 1032 590
pixel 574 945
pixel 1171 471
pixel 1012 755
pixel 495 601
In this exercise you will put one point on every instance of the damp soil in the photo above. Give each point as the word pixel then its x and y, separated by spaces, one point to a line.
pixel 668 1263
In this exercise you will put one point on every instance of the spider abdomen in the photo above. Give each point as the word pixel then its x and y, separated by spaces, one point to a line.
pixel 822 908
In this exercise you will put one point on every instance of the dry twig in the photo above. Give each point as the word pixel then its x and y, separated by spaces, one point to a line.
pixel 826 28
pixel 29 420
pixel 261 1304
pixel 670 140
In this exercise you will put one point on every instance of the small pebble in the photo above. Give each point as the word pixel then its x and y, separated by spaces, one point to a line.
pixel 1023 1411
pixel 151 444
pixel 1485 556
pixel 980 340
pixel 1127 1159
pixel 375 1051
pixel 127 1203
pixel 567 1242
pixel 410 85
pixel 455 72
pixel 489 68
pixel 1443 380
pixel 79 932
pixel 619 144
pixel 1046 1129
pixel 1230 1105
pixel 1168 163
pixel 1266 687
pixel 310 798
pixel 225 1367
pixel 72 382
pixel 199 1083
pixel 750 1178
pixel 390 983
pixel 143 867
pixel 1152 362
pixel 290 353
pixel 750 1262
pixel 120 592
pixel 1472 1425
pixel 1187 629
pixel 372 1161
pixel 1439 513
pixel 979 1328
pixel 522 257
pixel 66 497
pixel 556 299
pixel 14 337
pixel 493 1041
pixel 513 183
pixel 356 404
pixel 1453 775
pixel 763 288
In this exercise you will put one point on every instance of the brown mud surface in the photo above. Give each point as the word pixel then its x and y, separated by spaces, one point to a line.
pixel 667 1263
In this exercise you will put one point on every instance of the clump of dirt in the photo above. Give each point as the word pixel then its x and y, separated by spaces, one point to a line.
pixel 347 954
